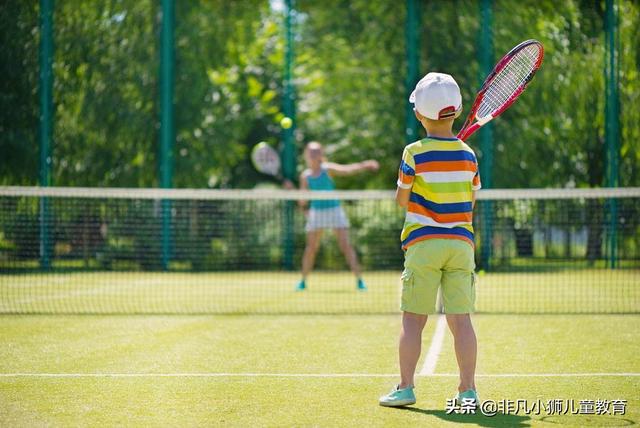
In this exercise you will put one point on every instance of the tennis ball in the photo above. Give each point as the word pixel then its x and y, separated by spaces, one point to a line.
pixel 286 122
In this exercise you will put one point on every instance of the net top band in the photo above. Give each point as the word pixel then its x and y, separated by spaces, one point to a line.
pixel 293 195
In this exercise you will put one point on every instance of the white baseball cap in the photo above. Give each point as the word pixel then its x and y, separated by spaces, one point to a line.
pixel 437 96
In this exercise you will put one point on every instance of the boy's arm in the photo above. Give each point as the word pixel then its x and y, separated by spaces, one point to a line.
pixel 351 168
pixel 406 175
pixel 402 196
pixel 475 185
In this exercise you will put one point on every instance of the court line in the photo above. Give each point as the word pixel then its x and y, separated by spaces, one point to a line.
pixel 299 375
pixel 431 359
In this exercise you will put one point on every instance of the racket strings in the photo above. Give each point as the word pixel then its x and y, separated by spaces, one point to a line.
pixel 507 81
pixel 266 160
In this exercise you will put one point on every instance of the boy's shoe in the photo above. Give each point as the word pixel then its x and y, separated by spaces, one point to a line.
pixel 361 285
pixel 301 286
pixel 469 397
pixel 398 397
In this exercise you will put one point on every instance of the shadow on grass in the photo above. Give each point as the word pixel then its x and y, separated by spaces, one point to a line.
pixel 499 420
pixel 588 420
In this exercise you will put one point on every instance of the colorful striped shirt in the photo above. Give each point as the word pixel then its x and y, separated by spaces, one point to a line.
pixel 442 174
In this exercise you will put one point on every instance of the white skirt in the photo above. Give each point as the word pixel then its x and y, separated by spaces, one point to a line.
pixel 328 218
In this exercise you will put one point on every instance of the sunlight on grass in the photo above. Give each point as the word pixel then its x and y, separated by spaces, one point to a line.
pixel 573 291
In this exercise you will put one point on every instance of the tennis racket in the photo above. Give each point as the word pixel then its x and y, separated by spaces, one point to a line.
pixel 503 85
pixel 266 160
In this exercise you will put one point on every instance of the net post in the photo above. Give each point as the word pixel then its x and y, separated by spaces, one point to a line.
pixel 485 59
pixel 412 40
pixel 612 122
pixel 166 123
pixel 46 124
pixel 288 149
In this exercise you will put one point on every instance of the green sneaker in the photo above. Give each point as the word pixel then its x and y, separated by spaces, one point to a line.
pixel 301 286
pixel 468 397
pixel 361 286
pixel 398 397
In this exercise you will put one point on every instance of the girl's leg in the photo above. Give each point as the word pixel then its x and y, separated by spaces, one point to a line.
pixel 310 251
pixel 342 235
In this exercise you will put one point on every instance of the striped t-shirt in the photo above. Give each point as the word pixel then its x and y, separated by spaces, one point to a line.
pixel 442 174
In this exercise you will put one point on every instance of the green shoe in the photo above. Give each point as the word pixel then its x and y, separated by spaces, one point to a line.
pixel 398 397
pixel 301 286
pixel 361 285
pixel 468 397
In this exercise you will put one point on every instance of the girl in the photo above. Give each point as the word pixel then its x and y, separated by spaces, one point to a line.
pixel 327 214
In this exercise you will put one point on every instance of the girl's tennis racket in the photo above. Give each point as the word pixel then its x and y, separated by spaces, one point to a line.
pixel 266 160
pixel 504 85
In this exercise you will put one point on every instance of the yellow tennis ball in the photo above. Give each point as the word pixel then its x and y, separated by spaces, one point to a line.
pixel 286 122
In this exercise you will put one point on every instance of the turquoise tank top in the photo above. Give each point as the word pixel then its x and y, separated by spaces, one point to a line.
pixel 322 182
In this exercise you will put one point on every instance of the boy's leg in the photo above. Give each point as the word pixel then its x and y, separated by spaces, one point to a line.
pixel 420 281
pixel 310 251
pixel 342 235
pixel 466 347
pixel 459 295
pixel 410 346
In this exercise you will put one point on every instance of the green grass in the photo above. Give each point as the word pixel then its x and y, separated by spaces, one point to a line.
pixel 298 344
pixel 283 337
pixel 556 291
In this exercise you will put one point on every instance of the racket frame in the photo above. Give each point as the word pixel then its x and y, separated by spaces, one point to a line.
pixel 469 128
pixel 277 174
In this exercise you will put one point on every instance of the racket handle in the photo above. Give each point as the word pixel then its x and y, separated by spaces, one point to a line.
pixel 466 133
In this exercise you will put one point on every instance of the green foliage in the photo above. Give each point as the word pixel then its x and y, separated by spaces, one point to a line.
pixel 350 81
pixel 350 72
pixel 105 69
pixel 228 84
pixel 18 93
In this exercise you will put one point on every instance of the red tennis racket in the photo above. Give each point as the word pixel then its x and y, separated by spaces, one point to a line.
pixel 503 85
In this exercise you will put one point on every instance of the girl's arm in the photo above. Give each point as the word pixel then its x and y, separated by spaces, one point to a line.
pixel 351 168
pixel 303 186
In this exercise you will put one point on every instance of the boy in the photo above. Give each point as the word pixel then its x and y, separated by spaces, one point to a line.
pixel 437 181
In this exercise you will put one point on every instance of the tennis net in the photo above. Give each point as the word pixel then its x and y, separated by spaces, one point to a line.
pixel 98 250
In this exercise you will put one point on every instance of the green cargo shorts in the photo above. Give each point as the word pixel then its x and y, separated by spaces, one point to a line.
pixel 435 263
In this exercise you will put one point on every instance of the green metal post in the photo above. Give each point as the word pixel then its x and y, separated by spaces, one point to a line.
pixel 288 147
pixel 46 123
pixel 412 40
pixel 166 122
pixel 612 122
pixel 485 58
